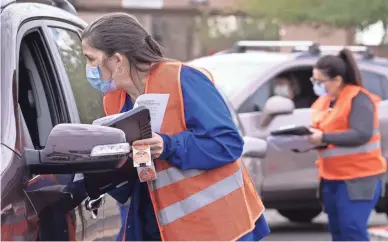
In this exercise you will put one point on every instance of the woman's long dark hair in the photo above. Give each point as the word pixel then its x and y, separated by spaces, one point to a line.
pixel 343 65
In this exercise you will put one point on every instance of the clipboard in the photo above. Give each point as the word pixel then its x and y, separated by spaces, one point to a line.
pixel 135 123
pixel 293 130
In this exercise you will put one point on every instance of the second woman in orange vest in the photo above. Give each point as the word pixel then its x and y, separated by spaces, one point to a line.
pixel 202 191
pixel 346 127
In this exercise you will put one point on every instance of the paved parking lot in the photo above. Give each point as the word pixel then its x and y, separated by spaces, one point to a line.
pixel 283 230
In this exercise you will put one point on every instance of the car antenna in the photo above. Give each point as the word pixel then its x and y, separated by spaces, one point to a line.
pixel 315 49
pixel 368 53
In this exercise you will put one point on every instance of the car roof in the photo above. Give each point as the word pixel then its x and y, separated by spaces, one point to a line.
pixel 18 12
pixel 378 61
pixel 4 3
pixel 254 56
pixel 259 56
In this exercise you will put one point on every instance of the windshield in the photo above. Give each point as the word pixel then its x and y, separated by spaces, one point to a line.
pixel 230 74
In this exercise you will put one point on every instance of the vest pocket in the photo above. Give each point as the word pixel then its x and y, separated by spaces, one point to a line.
pixel 362 188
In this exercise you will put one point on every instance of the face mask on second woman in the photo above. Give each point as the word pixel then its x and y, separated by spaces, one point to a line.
pixel 94 76
pixel 319 89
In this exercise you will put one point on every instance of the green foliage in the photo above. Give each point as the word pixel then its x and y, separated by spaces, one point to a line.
pixel 221 34
pixel 340 13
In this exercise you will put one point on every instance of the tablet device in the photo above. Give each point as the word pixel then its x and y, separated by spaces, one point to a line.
pixel 293 130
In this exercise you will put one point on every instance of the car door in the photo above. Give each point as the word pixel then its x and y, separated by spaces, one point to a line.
pixel 38 106
pixel 16 209
pixel 375 79
pixel 86 105
pixel 281 171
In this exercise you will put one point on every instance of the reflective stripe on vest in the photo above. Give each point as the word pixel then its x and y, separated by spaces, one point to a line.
pixel 201 199
pixel 171 176
pixel 340 151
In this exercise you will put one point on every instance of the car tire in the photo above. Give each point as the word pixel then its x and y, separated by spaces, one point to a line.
pixel 300 215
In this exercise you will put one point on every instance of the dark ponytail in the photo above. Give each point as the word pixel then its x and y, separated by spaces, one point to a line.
pixel 352 72
pixel 343 65
pixel 153 46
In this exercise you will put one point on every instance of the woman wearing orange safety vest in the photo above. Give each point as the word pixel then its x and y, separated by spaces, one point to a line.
pixel 202 191
pixel 346 128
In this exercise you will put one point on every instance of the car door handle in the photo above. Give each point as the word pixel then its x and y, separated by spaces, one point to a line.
pixel 94 205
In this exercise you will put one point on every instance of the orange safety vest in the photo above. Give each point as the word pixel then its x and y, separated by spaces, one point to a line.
pixel 195 205
pixel 343 163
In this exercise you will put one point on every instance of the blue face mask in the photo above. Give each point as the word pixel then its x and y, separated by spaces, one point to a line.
pixel 319 89
pixel 94 76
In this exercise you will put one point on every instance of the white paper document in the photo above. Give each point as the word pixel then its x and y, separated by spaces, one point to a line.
pixel 157 104
pixel 290 142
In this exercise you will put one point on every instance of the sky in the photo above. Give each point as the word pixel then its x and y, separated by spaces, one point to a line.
pixel 370 36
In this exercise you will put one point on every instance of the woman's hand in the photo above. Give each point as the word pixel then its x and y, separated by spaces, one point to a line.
pixel 155 143
pixel 316 137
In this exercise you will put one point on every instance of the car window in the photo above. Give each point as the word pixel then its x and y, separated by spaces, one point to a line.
pixel 88 99
pixel 257 101
pixel 298 78
pixel 233 113
pixel 384 86
pixel 375 83
pixel 39 103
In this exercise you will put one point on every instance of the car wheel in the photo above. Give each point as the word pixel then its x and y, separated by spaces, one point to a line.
pixel 300 215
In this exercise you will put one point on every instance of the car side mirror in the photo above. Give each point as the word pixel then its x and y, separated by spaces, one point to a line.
pixel 79 148
pixel 254 147
pixel 276 105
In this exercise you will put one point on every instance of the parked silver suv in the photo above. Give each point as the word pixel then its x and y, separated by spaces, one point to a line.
pixel 287 181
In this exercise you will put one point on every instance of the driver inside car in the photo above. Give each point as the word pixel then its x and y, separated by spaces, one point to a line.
pixel 288 87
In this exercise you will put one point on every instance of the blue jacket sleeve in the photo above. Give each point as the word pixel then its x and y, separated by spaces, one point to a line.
pixel 212 139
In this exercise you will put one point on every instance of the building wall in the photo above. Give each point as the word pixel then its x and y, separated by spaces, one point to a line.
pixel 175 32
pixel 169 4
pixel 324 35
pixel 176 25
pixel 214 4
